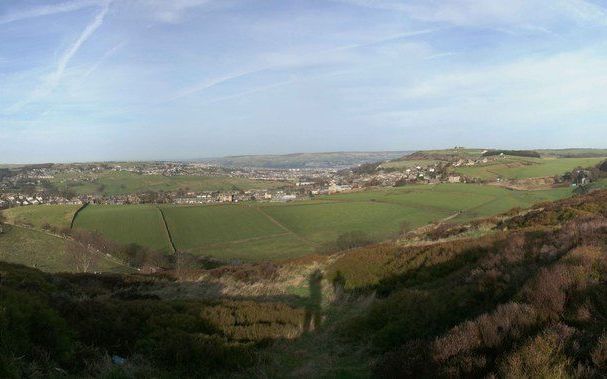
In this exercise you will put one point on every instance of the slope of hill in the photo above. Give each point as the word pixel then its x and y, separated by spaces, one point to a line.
pixel 526 299
pixel 42 216
pixel 271 231
pixel 573 153
pixel 525 168
pixel 47 252
pixel 465 153
pixel 306 160
pixel 521 294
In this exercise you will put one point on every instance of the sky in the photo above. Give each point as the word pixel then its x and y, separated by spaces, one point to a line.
pixel 86 80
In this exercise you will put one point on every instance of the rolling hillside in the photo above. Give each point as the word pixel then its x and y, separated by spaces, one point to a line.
pixel 35 248
pixel 38 217
pixel 524 298
pixel 522 168
pixel 269 231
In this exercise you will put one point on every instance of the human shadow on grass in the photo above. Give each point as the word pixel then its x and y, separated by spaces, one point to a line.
pixel 313 317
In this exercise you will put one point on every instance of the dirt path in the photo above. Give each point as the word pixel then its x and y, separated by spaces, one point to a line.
pixel 449 218
pixel 107 257
pixel 283 227
pixel 236 242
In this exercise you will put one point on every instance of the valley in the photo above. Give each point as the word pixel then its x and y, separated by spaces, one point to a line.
pixel 398 254
pixel 260 231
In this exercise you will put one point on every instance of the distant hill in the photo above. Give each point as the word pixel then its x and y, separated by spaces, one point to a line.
pixel 442 155
pixel 306 160
pixel 450 154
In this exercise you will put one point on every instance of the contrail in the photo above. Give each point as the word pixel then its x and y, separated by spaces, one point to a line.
pixel 48 10
pixel 54 78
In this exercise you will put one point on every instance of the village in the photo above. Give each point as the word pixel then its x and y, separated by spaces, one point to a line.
pixel 37 184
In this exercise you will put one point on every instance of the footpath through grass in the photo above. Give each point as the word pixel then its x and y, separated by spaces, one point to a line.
pixel 38 249
pixel 252 232
pixel 268 231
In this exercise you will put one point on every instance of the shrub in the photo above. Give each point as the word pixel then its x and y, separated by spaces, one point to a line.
pixel 31 332
pixel 255 321
pixel 514 153
pixel 190 355
pixel 541 357
pixel 508 321
pixel 411 360
pixel 599 352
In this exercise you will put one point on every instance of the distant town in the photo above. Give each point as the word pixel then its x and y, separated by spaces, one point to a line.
pixel 83 183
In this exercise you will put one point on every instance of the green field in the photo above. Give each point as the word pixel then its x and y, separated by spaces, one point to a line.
pixel 38 216
pixel 117 183
pixel 279 230
pixel 265 231
pixel 140 224
pixel 522 168
pixel 322 222
pixel 46 252
pixel 573 153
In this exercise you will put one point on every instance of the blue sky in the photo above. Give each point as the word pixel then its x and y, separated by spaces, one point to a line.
pixel 154 79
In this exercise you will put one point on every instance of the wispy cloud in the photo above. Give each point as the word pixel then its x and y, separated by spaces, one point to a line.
pixel 391 38
pixel 67 56
pixel 545 91
pixel 254 90
pixel 441 55
pixel 54 79
pixel 294 60
pixel 168 11
pixel 209 83
pixel 492 12
pixel 47 10
pixel 108 54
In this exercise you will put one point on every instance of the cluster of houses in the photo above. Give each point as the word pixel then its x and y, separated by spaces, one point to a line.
pixel 16 200
pixel 471 162
pixel 192 198
pixel 300 183
pixel 430 174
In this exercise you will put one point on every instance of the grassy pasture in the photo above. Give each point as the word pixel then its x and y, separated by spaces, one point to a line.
pixel 274 247
pixel 471 201
pixel 447 197
pixel 507 199
pixel 117 183
pixel 37 216
pixel 264 231
pixel 195 226
pixel 522 168
pixel 320 221
pixel 140 224
pixel 46 252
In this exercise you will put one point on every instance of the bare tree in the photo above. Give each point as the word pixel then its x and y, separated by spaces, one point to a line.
pixel 81 257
